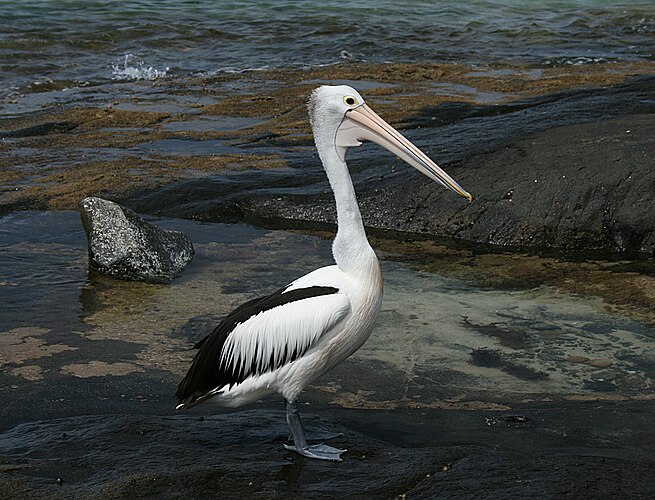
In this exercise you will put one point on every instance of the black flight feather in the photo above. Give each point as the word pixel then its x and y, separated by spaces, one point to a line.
pixel 207 372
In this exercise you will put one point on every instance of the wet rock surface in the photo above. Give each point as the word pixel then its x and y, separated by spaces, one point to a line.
pixel 581 187
pixel 124 246
pixel 549 453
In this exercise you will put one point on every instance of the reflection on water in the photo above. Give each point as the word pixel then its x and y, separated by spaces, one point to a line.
pixel 441 341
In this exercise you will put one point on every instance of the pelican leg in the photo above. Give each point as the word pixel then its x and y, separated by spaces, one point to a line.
pixel 320 451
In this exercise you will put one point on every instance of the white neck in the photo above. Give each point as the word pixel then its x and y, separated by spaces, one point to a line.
pixel 350 249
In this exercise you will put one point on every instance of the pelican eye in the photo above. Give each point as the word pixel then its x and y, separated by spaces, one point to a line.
pixel 350 100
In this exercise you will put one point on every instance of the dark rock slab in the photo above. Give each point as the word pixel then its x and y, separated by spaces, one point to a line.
pixel 40 129
pixel 124 246
pixel 584 451
pixel 580 187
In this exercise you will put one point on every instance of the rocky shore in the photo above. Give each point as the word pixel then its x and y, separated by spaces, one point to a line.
pixel 514 354
pixel 556 158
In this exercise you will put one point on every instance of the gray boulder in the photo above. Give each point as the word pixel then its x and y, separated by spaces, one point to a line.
pixel 124 246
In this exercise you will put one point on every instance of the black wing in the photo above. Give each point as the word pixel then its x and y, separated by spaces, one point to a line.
pixel 207 373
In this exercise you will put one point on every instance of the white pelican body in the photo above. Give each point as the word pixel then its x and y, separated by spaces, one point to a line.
pixel 345 319
pixel 281 342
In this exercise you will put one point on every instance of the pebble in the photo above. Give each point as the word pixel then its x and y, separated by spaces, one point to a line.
pixel 600 363
pixel 577 359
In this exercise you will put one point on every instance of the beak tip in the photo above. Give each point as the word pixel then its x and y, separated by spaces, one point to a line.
pixel 470 197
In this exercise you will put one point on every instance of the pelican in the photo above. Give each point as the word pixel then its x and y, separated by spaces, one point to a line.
pixel 282 342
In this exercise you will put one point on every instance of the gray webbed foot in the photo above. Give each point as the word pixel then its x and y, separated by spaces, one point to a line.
pixel 319 451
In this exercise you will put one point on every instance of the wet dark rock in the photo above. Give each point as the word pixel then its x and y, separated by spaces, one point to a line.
pixel 510 421
pixel 427 454
pixel 41 129
pixel 124 246
pixel 197 328
pixel 581 187
pixel 519 419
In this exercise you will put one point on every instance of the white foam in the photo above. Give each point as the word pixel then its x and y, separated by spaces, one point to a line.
pixel 235 70
pixel 131 67
pixel 575 61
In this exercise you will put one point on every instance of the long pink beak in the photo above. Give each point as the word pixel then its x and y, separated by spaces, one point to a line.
pixel 362 123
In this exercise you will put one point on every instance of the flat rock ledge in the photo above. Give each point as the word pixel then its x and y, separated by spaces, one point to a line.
pixel 124 246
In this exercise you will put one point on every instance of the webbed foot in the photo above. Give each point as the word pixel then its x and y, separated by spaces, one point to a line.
pixel 319 451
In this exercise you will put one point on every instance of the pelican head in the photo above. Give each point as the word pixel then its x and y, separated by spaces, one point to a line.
pixel 340 116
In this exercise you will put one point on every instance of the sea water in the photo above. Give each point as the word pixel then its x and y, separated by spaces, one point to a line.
pixel 51 45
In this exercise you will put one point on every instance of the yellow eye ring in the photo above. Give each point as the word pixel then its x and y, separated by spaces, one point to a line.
pixel 350 100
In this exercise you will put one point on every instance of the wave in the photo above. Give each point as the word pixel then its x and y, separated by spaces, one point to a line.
pixel 558 62
pixel 130 67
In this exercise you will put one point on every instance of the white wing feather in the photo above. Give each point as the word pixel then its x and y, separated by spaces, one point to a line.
pixel 278 332
pixel 323 276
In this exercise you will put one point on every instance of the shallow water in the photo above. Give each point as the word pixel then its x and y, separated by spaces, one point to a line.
pixel 447 341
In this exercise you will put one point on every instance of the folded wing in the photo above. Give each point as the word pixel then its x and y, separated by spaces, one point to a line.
pixel 261 336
